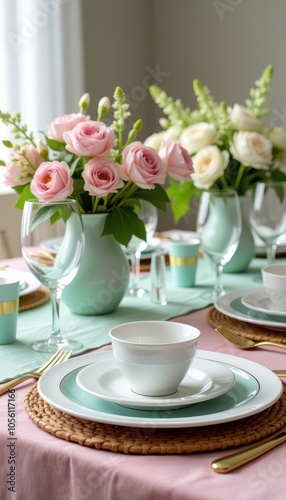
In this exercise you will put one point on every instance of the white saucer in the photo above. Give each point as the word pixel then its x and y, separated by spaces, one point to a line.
pixel 259 301
pixel 205 380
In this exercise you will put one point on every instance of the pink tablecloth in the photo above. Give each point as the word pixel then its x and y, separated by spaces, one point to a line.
pixel 50 468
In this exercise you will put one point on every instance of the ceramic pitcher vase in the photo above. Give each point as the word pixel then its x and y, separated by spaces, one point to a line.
pixel 245 251
pixel 102 279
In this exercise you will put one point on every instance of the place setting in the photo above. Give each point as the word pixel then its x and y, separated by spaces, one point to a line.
pixel 135 399
pixel 258 314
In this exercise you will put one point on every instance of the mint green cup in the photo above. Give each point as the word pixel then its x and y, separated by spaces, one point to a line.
pixel 9 307
pixel 183 261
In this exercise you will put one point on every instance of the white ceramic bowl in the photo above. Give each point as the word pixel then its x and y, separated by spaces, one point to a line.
pixel 274 282
pixel 154 356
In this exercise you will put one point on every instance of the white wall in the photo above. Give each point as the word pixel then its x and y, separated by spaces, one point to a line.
pixel 224 43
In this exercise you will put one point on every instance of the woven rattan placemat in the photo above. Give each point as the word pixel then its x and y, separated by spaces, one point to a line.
pixel 34 299
pixel 244 329
pixel 133 440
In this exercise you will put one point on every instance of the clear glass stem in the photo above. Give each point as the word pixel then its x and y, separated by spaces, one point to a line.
pixel 135 267
pixel 55 337
pixel 271 253
pixel 218 287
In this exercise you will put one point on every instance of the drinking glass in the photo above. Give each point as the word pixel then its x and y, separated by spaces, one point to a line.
pixel 53 269
pixel 268 215
pixel 219 227
pixel 148 214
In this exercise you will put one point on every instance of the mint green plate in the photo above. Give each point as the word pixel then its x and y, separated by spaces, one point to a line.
pixel 230 304
pixel 255 389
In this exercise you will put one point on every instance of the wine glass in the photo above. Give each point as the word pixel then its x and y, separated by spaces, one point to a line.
pixel 148 214
pixel 268 215
pixel 219 227
pixel 54 270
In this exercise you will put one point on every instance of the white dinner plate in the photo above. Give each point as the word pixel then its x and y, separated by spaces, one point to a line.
pixel 259 301
pixel 205 380
pixel 230 304
pixel 255 389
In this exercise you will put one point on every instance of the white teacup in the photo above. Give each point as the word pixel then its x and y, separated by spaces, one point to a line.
pixel 274 282
pixel 154 356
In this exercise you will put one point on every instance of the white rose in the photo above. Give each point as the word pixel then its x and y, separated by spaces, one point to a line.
pixel 198 136
pixel 277 135
pixel 209 164
pixel 155 140
pixel 251 149
pixel 243 119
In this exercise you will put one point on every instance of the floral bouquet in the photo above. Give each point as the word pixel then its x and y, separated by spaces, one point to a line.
pixel 230 146
pixel 91 162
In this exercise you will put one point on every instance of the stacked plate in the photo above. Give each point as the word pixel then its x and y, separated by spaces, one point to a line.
pixel 218 388
pixel 252 306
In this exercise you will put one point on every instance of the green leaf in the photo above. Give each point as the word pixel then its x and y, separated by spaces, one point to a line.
pixel 8 144
pixel 78 187
pixel 64 212
pixel 75 163
pixel 2 163
pixel 181 196
pixel 157 196
pixel 43 214
pixel 123 223
pixel 55 145
pixel 24 196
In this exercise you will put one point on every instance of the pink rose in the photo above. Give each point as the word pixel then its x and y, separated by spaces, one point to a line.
pixel 143 165
pixel 102 176
pixel 63 124
pixel 177 160
pixel 52 181
pixel 20 171
pixel 90 139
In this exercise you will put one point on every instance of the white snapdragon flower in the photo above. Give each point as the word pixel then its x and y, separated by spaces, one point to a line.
pixel 198 136
pixel 243 119
pixel 42 149
pixel 252 149
pixel 84 102
pixel 277 135
pixel 209 164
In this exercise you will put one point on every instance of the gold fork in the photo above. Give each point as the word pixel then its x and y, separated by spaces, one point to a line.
pixel 58 357
pixel 245 343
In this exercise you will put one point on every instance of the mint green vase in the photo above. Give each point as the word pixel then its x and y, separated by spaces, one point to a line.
pixel 102 279
pixel 245 251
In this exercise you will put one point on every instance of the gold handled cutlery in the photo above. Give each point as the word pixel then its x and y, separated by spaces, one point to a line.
pixel 245 343
pixel 235 460
pixel 58 357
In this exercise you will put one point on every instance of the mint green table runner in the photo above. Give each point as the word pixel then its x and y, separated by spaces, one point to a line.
pixel 92 331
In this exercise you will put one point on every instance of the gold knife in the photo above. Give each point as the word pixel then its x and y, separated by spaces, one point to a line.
pixel 280 373
pixel 235 460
